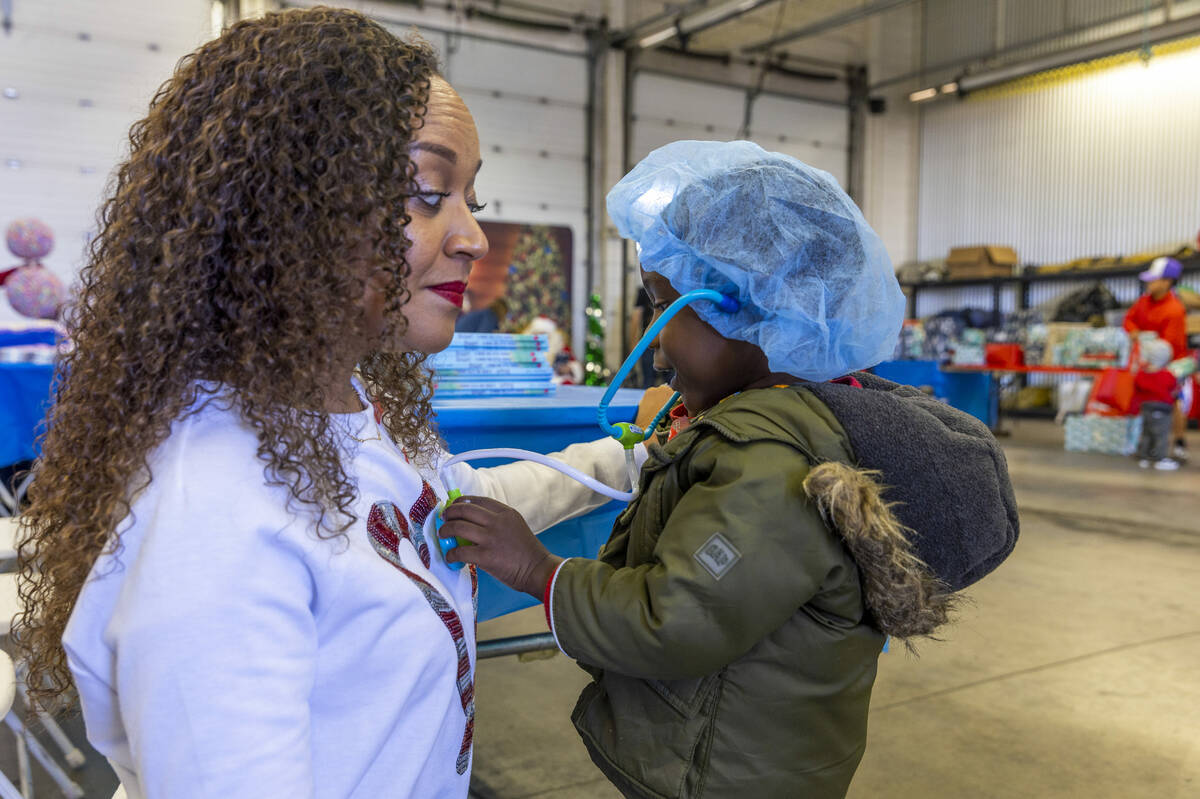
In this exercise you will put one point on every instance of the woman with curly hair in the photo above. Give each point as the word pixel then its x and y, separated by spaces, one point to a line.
pixel 227 549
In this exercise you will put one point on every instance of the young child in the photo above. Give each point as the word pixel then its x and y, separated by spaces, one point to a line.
pixel 733 621
pixel 1155 392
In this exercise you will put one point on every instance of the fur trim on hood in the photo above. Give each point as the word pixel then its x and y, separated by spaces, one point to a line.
pixel 900 591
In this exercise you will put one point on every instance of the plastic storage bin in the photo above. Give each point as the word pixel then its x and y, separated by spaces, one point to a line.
pixel 970 392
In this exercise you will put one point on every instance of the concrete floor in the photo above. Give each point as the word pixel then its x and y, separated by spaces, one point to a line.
pixel 1073 672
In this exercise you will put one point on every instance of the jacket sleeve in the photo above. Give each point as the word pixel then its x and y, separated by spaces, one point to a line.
pixel 1174 332
pixel 742 551
pixel 544 496
pixel 1133 317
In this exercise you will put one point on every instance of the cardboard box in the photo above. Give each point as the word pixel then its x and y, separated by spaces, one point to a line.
pixel 984 261
pixel 1056 336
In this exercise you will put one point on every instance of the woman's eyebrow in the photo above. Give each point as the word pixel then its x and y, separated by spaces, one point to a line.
pixel 436 149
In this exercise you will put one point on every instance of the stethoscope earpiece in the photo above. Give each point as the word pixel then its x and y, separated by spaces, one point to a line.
pixel 725 302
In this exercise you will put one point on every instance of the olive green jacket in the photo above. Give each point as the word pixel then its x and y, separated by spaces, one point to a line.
pixel 724 622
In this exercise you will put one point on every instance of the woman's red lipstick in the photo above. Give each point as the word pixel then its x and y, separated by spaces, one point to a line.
pixel 451 292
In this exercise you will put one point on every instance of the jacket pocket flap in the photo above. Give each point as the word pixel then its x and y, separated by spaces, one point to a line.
pixel 687 697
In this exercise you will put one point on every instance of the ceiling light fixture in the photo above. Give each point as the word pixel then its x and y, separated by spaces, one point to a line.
pixel 924 94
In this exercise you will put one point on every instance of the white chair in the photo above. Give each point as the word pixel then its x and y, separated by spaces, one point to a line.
pixel 27 744
pixel 8 538
pixel 8 692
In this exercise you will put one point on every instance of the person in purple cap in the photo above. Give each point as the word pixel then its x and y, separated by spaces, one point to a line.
pixel 1160 311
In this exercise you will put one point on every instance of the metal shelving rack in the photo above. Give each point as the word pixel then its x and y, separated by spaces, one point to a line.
pixel 1191 265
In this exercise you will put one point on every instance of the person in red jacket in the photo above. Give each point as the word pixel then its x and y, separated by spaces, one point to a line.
pixel 1160 311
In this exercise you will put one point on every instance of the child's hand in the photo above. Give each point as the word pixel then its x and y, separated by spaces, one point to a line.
pixel 504 545
pixel 652 400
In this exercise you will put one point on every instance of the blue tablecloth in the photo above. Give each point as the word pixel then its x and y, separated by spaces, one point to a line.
pixel 24 400
pixel 541 424
pixel 33 335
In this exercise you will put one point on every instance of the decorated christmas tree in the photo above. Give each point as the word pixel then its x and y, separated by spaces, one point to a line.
pixel 595 373
pixel 537 284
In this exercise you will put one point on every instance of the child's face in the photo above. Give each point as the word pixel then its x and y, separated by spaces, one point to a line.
pixel 706 367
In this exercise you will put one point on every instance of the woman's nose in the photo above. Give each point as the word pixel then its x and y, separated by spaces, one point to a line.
pixel 468 240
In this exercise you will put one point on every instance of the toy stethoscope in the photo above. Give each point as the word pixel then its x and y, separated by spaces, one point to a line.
pixel 630 435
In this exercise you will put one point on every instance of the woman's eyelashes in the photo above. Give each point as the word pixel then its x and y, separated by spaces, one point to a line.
pixel 432 201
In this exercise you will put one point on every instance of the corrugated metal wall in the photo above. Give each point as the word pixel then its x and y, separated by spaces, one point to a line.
pixel 932 300
pixel 890 179
pixel 1105 164
pixel 1033 28
pixel 1125 289
pixel 956 33
pixel 935 300
pixel 957 29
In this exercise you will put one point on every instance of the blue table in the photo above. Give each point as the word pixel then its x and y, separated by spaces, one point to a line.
pixel 24 400
pixel 541 424
pixel 968 392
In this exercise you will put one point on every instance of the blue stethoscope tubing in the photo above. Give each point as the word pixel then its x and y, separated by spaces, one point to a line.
pixel 725 302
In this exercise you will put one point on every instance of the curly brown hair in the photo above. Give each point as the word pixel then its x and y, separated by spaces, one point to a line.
pixel 272 153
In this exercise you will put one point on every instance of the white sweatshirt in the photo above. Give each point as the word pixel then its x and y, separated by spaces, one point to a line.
pixel 226 651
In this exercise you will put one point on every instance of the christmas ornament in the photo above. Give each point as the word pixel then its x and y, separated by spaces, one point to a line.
pixel 30 239
pixel 33 290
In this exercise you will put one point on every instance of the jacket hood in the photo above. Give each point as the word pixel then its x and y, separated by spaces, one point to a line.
pixel 943 472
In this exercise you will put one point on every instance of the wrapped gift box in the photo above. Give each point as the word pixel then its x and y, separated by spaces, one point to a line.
pixel 1111 435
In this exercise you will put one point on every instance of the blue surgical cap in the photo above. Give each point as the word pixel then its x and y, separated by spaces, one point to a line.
pixel 817 291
